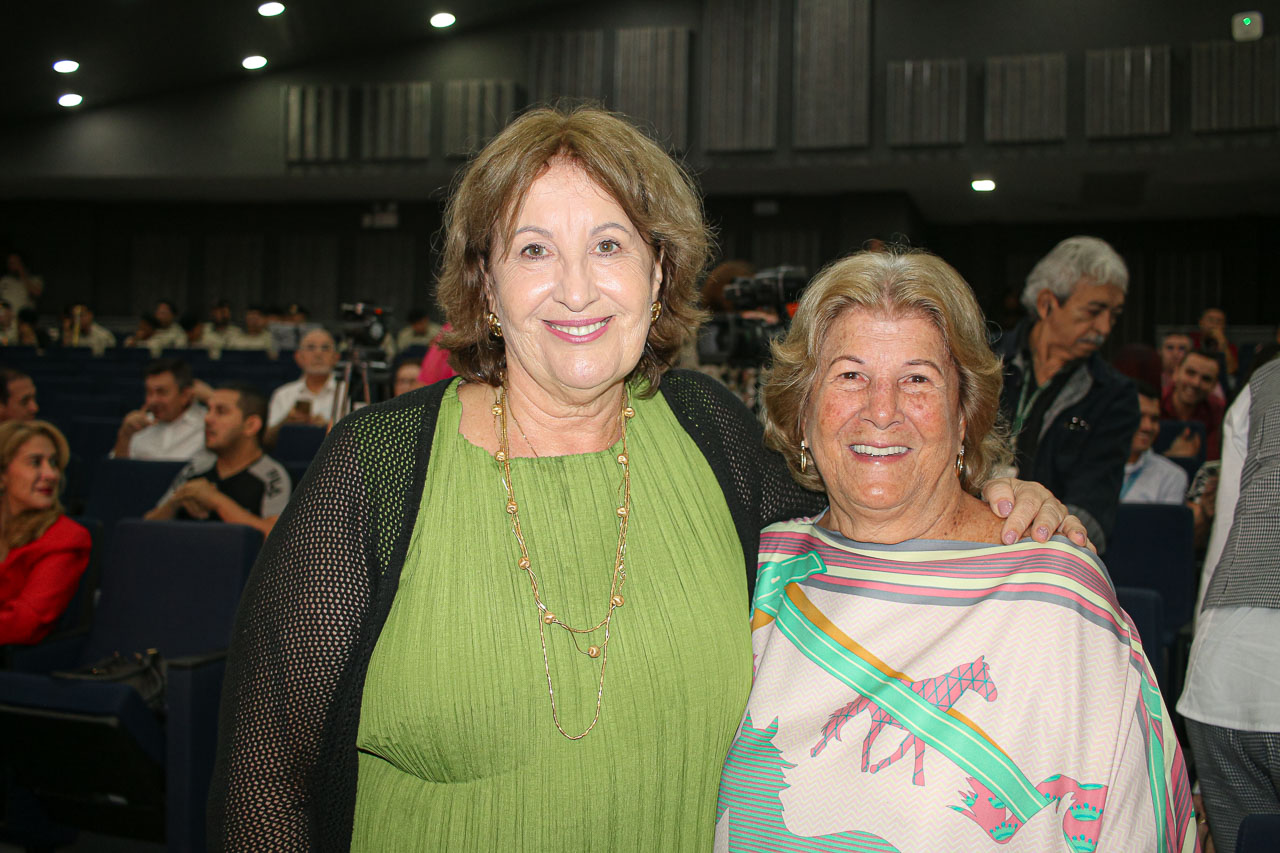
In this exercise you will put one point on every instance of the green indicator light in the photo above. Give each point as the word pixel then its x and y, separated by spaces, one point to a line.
pixel 1248 21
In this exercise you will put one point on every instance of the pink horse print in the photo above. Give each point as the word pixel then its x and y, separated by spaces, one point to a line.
pixel 942 690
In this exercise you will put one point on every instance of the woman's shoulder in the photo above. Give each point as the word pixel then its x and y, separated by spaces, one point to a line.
pixel 63 535
pixel 691 391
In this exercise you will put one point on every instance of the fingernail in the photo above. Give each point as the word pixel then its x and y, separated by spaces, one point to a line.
pixel 1005 507
pixel 1043 532
pixel 1010 537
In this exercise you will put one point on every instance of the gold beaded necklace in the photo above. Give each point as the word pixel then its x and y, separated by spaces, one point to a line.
pixel 545 616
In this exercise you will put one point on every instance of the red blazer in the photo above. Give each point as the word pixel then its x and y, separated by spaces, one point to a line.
pixel 38 580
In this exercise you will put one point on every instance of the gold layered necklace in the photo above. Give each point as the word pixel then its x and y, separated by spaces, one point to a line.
pixel 546 617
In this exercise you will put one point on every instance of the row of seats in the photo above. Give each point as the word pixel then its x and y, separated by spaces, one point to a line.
pixel 91 755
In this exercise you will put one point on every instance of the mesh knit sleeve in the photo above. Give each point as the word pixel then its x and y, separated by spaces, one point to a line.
pixel 285 771
pixel 756 483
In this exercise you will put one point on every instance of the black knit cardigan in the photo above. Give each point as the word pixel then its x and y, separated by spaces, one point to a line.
pixel 316 601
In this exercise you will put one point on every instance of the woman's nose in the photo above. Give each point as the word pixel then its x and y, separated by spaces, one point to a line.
pixel 576 287
pixel 882 403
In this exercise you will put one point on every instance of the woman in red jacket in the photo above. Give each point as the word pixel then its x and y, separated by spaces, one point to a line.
pixel 43 552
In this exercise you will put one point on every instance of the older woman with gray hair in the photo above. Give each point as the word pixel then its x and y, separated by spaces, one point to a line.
pixel 883 625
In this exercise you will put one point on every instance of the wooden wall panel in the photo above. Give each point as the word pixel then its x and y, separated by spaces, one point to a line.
pixel 651 80
pixel 740 101
pixel 926 102
pixel 1026 98
pixel 317 123
pixel 309 272
pixel 233 270
pixel 1235 86
pixel 831 73
pixel 566 65
pixel 1127 92
pixel 395 121
pixel 474 112
pixel 160 268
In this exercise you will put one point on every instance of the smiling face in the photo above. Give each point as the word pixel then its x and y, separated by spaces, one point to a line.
pixel 31 480
pixel 1148 426
pixel 1194 380
pixel 883 420
pixel 1173 349
pixel 573 289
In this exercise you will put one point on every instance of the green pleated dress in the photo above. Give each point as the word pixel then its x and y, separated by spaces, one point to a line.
pixel 457 746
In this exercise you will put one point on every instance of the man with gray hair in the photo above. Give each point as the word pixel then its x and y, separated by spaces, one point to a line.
pixel 1071 415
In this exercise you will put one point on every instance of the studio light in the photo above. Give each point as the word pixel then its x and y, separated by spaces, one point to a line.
pixel 270 10
pixel 70 99
pixel 65 66
pixel 253 63
pixel 982 185
pixel 440 20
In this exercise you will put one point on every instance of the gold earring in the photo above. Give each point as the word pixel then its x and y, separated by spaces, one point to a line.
pixel 804 456
pixel 655 311
pixel 495 327
pixel 960 462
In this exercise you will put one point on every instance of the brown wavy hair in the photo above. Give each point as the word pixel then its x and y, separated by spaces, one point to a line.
pixel 29 526
pixel 657 194
pixel 898 282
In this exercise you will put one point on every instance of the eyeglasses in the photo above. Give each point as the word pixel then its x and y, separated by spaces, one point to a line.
pixel 317 347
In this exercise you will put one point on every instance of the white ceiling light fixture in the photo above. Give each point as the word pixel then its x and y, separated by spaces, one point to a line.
pixel 270 10
pixel 66 66
pixel 983 185
pixel 253 63
pixel 440 20
pixel 70 99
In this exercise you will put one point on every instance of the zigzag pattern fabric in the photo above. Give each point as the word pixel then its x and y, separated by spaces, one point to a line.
pixel 1072 750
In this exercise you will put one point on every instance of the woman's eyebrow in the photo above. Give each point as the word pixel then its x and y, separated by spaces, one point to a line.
pixel 605 226
pixel 852 358
pixel 542 232
pixel 924 362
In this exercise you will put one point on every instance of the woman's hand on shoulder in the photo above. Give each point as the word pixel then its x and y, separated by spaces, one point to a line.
pixel 1029 509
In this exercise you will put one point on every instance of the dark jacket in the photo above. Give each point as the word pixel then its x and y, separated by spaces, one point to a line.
pixel 1085 435
pixel 285 772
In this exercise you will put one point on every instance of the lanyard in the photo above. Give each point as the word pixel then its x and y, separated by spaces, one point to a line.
pixel 1131 478
pixel 1024 404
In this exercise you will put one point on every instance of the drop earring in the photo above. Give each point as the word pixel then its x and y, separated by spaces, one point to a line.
pixel 804 456
pixel 960 462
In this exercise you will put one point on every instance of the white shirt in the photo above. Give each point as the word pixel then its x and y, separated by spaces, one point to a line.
pixel 1153 479
pixel 283 398
pixel 178 439
pixel 1233 678
pixel 240 339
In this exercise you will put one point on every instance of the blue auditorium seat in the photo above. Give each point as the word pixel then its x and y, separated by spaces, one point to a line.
pixel 1146 608
pixel 1151 546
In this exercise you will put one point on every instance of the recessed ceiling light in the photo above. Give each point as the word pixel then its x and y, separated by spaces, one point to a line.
pixel 65 66
pixel 71 99
pixel 253 63
pixel 270 10
pixel 440 20
pixel 983 185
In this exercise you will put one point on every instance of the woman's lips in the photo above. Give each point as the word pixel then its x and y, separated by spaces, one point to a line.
pixel 578 331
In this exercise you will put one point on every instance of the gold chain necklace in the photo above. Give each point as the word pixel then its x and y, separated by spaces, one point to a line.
pixel 545 616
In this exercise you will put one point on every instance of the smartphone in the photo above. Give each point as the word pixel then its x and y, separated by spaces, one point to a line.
pixel 303 407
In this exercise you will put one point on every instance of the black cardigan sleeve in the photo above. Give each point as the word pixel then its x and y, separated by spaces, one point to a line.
pixel 285 771
pixel 756 483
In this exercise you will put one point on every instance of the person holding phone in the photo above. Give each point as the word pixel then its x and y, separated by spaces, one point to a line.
pixel 308 399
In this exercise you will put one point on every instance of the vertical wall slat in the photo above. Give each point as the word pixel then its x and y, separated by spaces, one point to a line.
pixel 651 79
pixel 1127 92
pixel 1026 98
pixel 1235 86
pixel 831 73
pixel 566 65
pixel 474 112
pixel 741 95
pixel 925 102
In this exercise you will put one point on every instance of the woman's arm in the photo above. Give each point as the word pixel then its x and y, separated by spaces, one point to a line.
pixel 28 617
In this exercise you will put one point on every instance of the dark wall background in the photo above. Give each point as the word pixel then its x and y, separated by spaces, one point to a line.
pixel 190 195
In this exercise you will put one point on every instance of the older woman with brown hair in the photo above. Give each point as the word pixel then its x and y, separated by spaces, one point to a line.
pixel 420 659
pixel 883 626
pixel 42 552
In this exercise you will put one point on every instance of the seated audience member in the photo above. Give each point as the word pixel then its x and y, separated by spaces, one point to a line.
pixel 42 552
pixel 1190 398
pixel 1173 349
pixel 1072 416
pixel 17 396
pixel 420 332
pixel 29 332
pixel 219 331
pixel 169 333
pixel 232 479
pixel 404 376
pixel 145 335
pixel 1212 338
pixel 170 424
pixel 194 330
pixel 1231 701
pixel 1149 478
pixel 8 324
pixel 255 335
pixel 82 331
pixel 18 286
pixel 309 399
